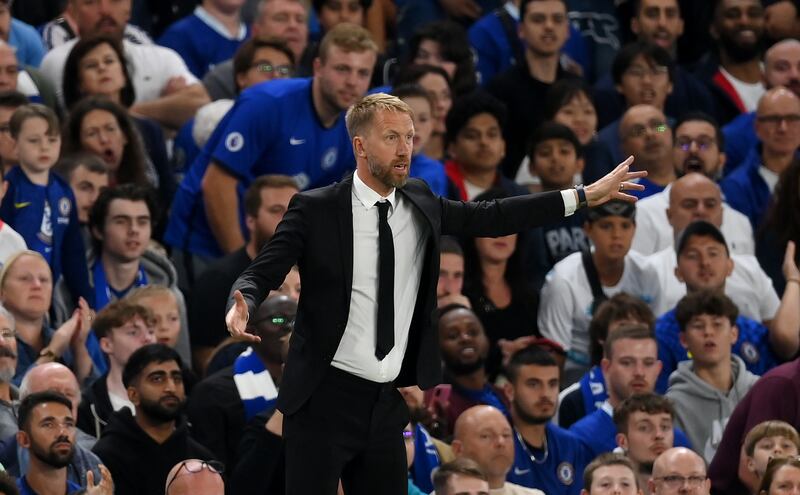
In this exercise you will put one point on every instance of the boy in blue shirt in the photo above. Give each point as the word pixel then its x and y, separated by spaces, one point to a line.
pixel 40 205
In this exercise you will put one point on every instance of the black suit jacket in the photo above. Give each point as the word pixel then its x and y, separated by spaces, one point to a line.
pixel 317 234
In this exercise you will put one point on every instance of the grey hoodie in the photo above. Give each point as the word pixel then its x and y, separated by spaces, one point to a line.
pixel 701 410
pixel 159 271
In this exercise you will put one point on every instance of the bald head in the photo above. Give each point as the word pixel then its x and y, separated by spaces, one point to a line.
pixel 484 435
pixel 273 321
pixel 52 377
pixel 191 477
pixel 8 67
pixel 782 65
pixel 645 134
pixel 680 462
pixel 694 197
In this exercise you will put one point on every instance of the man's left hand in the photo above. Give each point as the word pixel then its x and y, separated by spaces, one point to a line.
pixel 614 185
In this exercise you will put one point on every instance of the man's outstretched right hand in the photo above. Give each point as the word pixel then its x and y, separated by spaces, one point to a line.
pixel 237 318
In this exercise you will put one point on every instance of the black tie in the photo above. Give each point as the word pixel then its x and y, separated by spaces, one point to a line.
pixel 385 340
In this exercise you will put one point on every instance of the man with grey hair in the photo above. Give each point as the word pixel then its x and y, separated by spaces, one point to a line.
pixel 9 395
pixel 364 328
pixel 25 79
pixel 51 377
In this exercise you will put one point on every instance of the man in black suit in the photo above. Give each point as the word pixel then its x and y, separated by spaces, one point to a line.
pixel 368 252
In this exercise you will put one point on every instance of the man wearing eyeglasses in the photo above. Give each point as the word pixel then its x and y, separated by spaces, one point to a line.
pixel 223 404
pixel 645 133
pixel 679 470
pixel 698 145
pixel 750 187
pixel 193 476
pixel 643 74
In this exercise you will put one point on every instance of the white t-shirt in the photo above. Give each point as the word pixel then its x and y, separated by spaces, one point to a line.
pixel 749 93
pixel 749 287
pixel 150 67
pixel 10 243
pixel 566 298
pixel 654 233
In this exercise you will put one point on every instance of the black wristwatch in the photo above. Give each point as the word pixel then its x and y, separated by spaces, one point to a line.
pixel 582 203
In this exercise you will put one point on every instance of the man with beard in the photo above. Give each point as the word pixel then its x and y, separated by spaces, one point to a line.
pixel 733 72
pixel 645 133
pixel 351 347
pixel 465 348
pixel 47 430
pixel 140 449
pixel 302 135
pixel 223 404
pixel 698 145
pixel 644 425
pixel 8 367
pixel 265 202
pixel 546 456
pixel 781 68
pixel 750 187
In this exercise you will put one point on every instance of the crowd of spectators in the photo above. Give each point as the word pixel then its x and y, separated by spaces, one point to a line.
pixel 150 148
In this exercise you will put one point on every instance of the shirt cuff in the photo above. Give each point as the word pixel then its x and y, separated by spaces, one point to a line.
pixel 570 203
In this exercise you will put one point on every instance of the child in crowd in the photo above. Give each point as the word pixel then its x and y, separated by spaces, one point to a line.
pixel 556 159
pixel 768 440
pixel 163 303
pixel 40 205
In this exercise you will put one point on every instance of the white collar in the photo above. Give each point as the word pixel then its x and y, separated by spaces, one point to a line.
pixel 368 197
pixel 217 26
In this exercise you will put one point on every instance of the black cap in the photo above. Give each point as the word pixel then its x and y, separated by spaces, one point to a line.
pixel 613 208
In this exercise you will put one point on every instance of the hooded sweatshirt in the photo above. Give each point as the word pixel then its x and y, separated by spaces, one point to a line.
pixel 701 410
pixel 138 464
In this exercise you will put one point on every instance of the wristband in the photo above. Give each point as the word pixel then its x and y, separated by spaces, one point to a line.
pixel 582 203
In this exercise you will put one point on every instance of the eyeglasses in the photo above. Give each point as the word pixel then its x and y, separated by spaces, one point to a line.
pixel 639 130
pixel 675 481
pixel 277 320
pixel 703 142
pixel 790 119
pixel 639 72
pixel 281 70
pixel 193 466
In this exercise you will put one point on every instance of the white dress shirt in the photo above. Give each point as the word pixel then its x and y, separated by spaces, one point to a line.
pixel 356 352
pixel 410 231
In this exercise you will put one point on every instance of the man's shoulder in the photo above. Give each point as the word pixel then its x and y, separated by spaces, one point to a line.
pixel 58 55
pixel 568 267
pixel 286 92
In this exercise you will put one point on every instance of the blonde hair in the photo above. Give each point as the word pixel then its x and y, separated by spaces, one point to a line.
pixel 151 290
pixel 348 37
pixel 360 115
pixel 13 259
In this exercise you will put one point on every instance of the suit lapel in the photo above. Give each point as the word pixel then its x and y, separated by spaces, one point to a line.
pixel 417 201
pixel 344 201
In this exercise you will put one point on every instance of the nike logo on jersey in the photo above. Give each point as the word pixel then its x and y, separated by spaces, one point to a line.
pixel 294 141
pixel 520 472
pixel 22 205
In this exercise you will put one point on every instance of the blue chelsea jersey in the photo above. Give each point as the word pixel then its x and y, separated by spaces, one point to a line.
pixel 272 129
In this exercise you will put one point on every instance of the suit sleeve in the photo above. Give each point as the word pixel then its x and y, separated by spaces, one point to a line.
pixel 501 217
pixel 270 267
